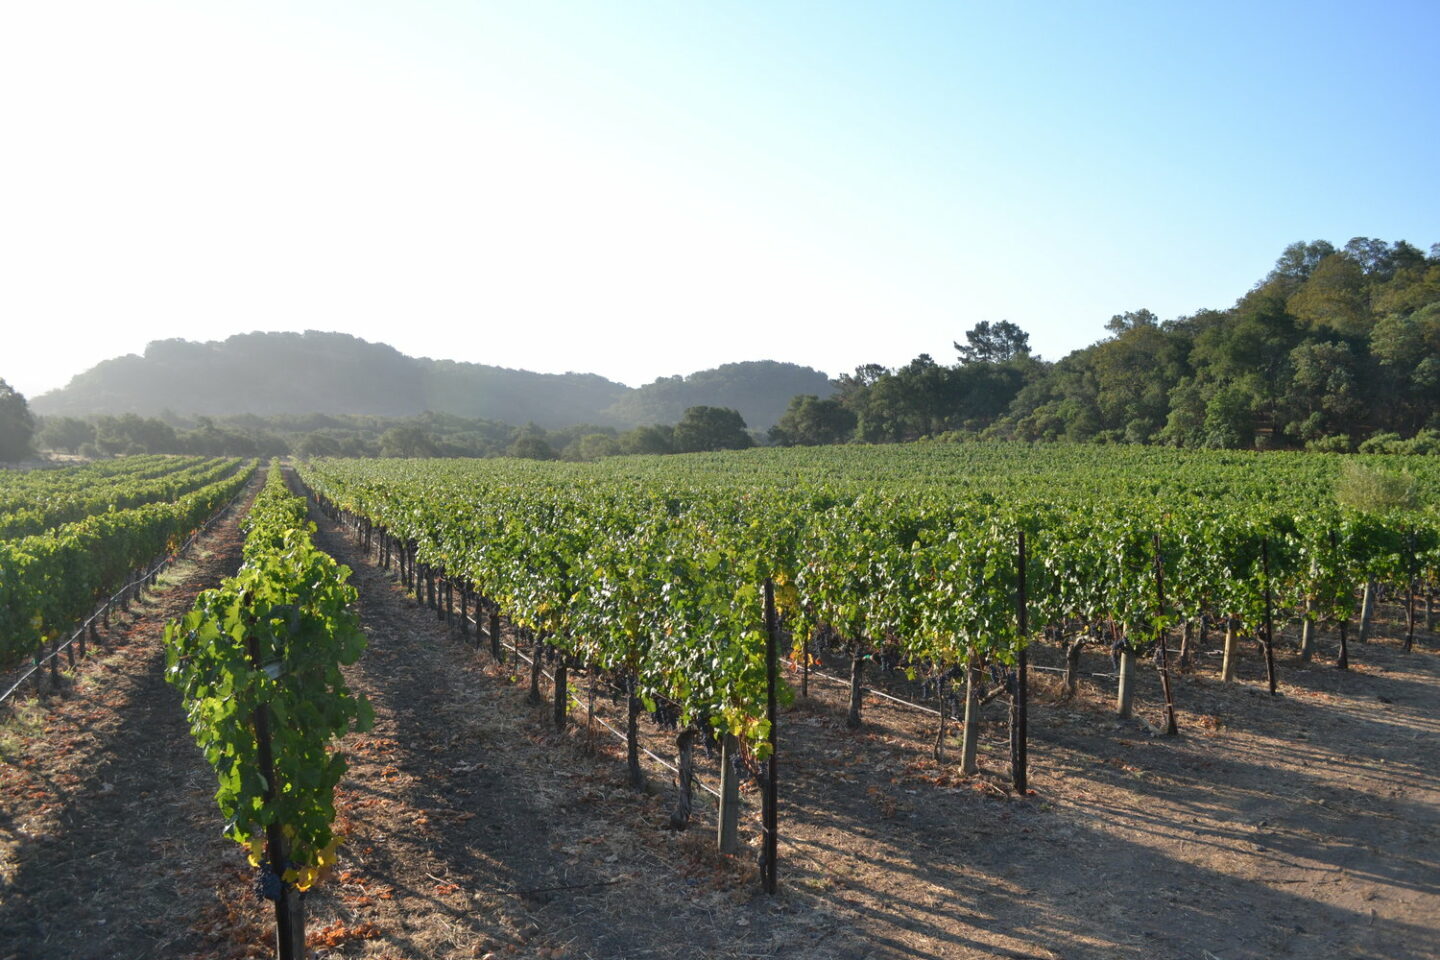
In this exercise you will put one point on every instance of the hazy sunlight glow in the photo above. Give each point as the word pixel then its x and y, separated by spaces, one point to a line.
pixel 636 190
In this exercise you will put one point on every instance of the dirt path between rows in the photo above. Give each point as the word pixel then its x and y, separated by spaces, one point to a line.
pixel 1305 826
pixel 473 830
pixel 109 840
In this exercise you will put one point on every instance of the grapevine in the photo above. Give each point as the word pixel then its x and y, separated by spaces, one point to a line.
pixel 269 643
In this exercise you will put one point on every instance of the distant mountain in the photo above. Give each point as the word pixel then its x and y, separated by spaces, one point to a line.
pixel 516 396
pixel 261 373
pixel 759 389
pixel 332 373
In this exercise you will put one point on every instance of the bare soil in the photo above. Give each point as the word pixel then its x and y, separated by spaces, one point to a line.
pixel 1303 825
pixel 110 843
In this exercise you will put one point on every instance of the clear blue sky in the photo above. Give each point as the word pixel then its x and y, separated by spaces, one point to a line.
pixel 642 189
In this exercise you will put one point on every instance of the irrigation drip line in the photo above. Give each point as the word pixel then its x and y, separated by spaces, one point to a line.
pixel 814 673
pixel 873 692
pixel 107 603
pixel 917 706
pixel 1106 676
pixel 619 735
pixel 664 763
pixel 660 760
pixel 788 841
pixel 843 682
pixel 833 679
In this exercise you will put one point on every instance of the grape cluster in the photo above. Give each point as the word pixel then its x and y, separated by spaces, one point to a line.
pixel 666 714
pixel 267 883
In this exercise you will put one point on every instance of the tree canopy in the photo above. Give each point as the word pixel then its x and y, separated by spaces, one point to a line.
pixel 17 426
pixel 711 428
pixel 988 342
pixel 1334 346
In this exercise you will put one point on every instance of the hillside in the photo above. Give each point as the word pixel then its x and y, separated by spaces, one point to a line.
pixel 760 390
pixel 335 373
pixel 1337 348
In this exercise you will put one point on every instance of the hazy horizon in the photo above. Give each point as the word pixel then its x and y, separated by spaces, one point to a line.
pixel 681 373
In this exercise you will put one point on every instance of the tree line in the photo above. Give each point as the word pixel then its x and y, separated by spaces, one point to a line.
pixel 1335 349
pixel 427 435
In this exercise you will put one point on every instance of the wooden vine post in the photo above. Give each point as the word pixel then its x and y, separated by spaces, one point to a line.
pixel 1367 610
pixel 1125 687
pixel 1307 633
pixel 1018 719
pixel 1232 651
pixel 770 808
